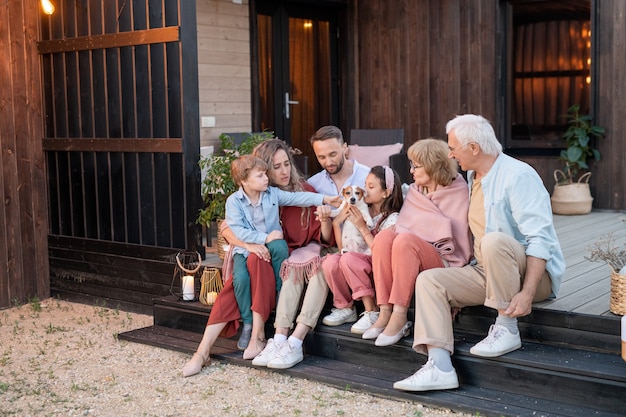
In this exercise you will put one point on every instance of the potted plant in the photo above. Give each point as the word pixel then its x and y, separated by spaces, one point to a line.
pixel 606 250
pixel 571 194
pixel 217 183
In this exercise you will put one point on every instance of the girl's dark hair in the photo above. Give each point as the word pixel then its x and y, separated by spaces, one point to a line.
pixel 393 202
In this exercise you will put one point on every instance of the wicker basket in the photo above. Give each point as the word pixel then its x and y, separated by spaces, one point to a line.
pixel 571 198
pixel 618 293
pixel 221 242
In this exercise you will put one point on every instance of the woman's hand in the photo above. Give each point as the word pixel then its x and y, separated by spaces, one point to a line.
pixel 323 213
pixel 259 250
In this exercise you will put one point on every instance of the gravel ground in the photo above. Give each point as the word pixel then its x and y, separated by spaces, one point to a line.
pixel 62 358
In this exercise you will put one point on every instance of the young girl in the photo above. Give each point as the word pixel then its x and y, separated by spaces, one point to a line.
pixel 349 275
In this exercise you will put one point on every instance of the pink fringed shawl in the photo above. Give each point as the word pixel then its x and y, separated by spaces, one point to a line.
pixel 440 218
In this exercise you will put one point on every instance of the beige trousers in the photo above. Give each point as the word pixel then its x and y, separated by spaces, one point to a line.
pixel 312 304
pixel 493 284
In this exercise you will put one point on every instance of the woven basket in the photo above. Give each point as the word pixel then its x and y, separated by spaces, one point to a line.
pixel 221 242
pixel 571 198
pixel 618 293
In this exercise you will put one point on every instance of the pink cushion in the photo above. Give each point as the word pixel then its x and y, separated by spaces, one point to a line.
pixel 373 155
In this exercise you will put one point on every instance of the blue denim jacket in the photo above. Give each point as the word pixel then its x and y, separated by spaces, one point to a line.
pixel 240 222
pixel 518 204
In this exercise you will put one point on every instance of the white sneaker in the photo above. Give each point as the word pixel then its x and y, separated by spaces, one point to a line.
pixel 286 357
pixel 498 342
pixel 267 354
pixel 429 378
pixel 339 316
pixel 368 318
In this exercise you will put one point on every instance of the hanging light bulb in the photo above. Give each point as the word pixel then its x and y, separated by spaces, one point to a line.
pixel 47 6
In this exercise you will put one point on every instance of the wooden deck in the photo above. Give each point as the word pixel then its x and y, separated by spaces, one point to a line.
pixel 571 345
pixel 586 285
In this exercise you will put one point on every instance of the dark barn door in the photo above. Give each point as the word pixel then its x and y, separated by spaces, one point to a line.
pixel 122 144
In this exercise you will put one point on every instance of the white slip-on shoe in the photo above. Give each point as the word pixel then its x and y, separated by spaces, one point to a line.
pixel 429 378
pixel 498 342
pixel 339 316
pixel 368 318
pixel 267 354
pixel 286 357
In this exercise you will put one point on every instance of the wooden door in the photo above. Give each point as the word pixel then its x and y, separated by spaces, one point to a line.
pixel 297 61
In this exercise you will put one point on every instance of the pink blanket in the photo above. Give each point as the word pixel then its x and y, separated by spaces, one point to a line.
pixel 440 218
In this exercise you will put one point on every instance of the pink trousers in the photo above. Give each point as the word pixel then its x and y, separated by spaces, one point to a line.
pixel 397 259
pixel 349 277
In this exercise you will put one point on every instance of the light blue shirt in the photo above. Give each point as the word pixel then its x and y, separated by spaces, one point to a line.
pixel 518 204
pixel 324 184
pixel 241 222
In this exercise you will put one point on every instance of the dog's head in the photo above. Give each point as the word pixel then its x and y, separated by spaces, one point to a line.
pixel 353 194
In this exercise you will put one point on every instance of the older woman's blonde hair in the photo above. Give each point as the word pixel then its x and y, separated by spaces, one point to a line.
pixel 432 154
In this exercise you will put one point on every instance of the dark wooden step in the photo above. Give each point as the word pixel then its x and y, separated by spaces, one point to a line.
pixel 582 376
pixel 370 377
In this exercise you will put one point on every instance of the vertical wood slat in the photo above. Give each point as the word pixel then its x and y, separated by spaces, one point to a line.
pixel 23 220
pixel 135 106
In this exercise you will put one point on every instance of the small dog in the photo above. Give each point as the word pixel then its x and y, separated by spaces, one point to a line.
pixel 352 240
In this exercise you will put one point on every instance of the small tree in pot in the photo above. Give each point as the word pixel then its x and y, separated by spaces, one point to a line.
pixel 571 194
pixel 217 183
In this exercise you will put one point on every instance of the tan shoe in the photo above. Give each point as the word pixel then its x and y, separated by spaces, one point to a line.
pixel 195 364
pixel 254 348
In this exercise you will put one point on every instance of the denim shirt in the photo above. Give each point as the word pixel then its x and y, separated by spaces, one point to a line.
pixel 240 221
pixel 518 204
pixel 324 184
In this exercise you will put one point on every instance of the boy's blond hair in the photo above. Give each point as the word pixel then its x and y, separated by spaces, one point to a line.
pixel 240 168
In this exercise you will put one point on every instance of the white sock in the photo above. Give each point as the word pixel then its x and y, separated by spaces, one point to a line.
pixel 509 322
pixel 295 342
pixel 441 358
pixel 279 338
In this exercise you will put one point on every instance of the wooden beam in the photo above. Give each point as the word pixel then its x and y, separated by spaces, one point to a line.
pixel 111 40
pixel 152 145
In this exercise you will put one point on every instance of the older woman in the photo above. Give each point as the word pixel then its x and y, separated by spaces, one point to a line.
pixel 432 231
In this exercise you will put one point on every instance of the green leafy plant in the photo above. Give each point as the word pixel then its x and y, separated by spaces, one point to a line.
pixel 218 184
pixel 578 137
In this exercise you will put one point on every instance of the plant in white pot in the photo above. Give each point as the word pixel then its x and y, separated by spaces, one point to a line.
pixel 571 192
pixel 217 183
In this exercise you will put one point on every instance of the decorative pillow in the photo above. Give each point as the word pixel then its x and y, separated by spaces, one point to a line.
pixel 373 155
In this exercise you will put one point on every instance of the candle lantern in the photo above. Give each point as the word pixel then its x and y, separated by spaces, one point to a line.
pixel 211 285
pixel 185 275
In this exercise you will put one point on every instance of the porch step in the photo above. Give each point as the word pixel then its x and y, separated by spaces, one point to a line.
pixel 369 376
pixel 539 379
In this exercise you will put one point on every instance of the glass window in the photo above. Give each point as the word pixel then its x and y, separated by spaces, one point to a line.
pixel 549 59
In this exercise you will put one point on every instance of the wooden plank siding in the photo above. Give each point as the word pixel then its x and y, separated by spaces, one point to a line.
pixel 422 62
pixel 224 67
pixel 121 141
pixel 419 63
pixel 23 219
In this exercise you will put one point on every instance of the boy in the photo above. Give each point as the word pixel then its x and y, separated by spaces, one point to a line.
pixel 252 215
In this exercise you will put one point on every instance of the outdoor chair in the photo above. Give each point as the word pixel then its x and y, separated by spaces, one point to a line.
pixel 380 147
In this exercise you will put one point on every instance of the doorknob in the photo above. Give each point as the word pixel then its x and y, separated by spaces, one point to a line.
pixel 287 103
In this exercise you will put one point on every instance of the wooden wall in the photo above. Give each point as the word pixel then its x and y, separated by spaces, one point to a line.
pixel 23 219
pixel 609 179
pixel 419 63
pixel 224 67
